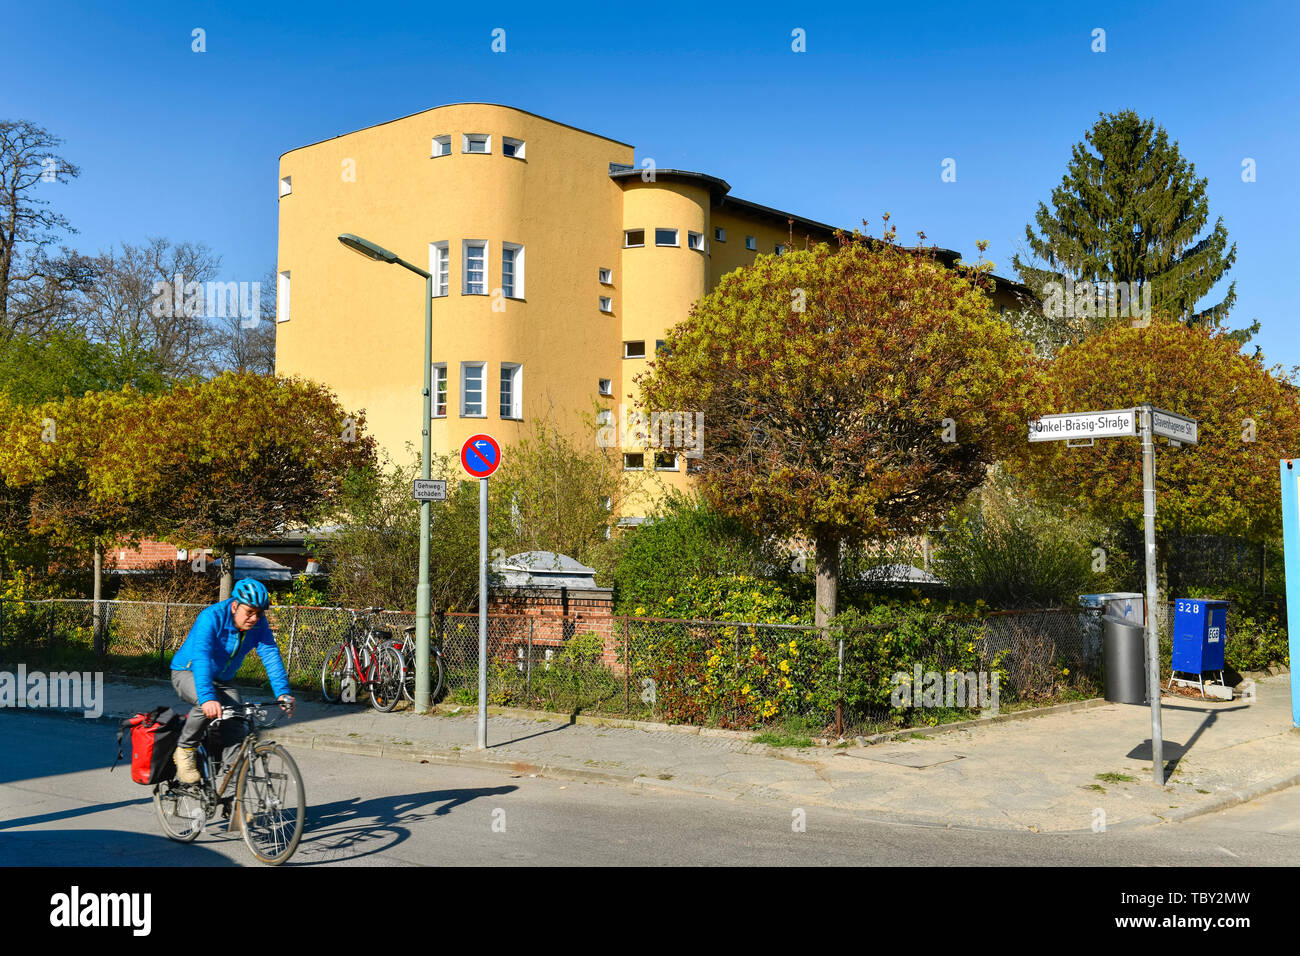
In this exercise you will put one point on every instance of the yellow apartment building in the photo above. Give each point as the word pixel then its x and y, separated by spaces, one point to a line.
pixel 558 264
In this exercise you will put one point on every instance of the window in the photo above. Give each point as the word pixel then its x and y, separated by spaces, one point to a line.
pixel 606 276
pixel 476 143
pixel 781 249
pixel 607 386
pixel 694 466
pixel 472 375
pixel 633 350
pixel 442 145
pixel 286 185
pixel 604 417
pixel 475 257
pixel 512 270
pixel 512 147
pixel 665 237
pixel 440 390
pixel 282 297
pixel 665 461
pixel 633 461
pixel 606 503
pixel 660 347
pixel 695 240
pixel 511 390
pixel 440 267
pixel 719 234
pixel 606 304
pixel 751 243
pixel 633 238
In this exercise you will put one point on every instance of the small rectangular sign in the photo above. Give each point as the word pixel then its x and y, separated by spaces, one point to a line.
pixel 429 490
pixel 1107 424
pixel 1180 428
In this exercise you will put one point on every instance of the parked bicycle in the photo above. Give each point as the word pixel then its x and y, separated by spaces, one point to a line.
pixel 365 658
pixel 406 646
pixel 268 803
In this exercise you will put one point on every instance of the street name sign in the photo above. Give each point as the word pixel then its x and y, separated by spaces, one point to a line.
pixel 425 489
pixel 1115 423
pixel 1175 427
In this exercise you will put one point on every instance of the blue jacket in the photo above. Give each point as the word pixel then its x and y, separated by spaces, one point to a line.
pixel 215 648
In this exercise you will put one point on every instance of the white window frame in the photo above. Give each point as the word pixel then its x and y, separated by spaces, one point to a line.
pixel 517 267
pixel 282 288
pixel 628 455
pixel 695 240
pixel 484 138
pixel 606 276
pixel 671 454
pixel 439 378
pixel 513 373
pixel 286 186
pixel 639 342
pixel 676 237
pixel 605 386
pixel 606 303
pixel 751 243
pixel 440 267
pixel 719 234
pixel 464 390
pixel 441 146
pixel 518 144
pixel 633 245
pixel 465 246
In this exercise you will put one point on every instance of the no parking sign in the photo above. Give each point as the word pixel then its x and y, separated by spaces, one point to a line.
pixel 480 455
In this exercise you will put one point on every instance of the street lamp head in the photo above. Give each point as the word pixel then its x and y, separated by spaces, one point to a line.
pixel 367 248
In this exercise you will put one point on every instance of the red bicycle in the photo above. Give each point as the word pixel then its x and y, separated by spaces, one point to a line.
pixel 368 662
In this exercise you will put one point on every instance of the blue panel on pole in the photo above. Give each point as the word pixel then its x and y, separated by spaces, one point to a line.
pixel 1199 630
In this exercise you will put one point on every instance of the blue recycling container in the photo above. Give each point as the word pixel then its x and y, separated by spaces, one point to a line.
pixel 1199 630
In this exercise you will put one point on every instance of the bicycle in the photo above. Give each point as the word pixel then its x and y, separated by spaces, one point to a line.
pixel 373 662
pixel 268 803
pixel 406 647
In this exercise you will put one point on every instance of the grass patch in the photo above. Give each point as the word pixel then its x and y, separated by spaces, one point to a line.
pixel 778 739
pixel 1095 786
pixel 1113 777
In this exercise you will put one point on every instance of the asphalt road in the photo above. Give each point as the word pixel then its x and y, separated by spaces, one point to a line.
pixel 59 806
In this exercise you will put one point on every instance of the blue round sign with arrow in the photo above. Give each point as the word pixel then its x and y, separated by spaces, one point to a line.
pixel 480 455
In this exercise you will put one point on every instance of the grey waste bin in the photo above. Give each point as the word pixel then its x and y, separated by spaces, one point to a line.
pixel 1123 660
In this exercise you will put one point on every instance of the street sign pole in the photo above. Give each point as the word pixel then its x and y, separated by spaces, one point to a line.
pixel 482 611
pixel 422 587
pixel 1153 644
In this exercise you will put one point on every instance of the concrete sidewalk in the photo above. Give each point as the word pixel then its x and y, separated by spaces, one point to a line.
pixel 1039 773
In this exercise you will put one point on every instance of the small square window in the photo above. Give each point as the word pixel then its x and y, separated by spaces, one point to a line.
pixel 607 386
pixel 751 243
pixel 633 461
pixel 606 304
pixel 512 147
pixel 695 240
pixel 781 249
pixel 633 238
pixel 660 347
pixel 477 143
pixel 665 461
pixel 286 185
pixel 665 237
pixel 606 276
pixel 633 350
pixel 442 145
pixel 719 234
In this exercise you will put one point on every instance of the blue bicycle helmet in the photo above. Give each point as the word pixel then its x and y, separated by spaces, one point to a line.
pixel 253 593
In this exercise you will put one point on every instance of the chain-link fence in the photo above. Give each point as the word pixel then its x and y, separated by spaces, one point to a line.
pixel 703 672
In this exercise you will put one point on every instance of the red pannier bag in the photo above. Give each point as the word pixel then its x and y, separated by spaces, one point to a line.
pixel 153 741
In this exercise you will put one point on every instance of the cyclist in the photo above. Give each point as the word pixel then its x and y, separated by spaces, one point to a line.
pixel 201 670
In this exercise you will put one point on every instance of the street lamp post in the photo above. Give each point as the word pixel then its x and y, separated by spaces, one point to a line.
pixel 380 254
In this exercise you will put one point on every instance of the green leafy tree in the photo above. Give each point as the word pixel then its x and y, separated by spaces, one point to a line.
pixel 1227 483
pixel 34 370
pixel 847 395
pixel 1131 209
pixel 235 460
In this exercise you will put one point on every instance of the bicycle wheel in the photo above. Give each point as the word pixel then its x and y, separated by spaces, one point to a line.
pixel 436 694
pixel 336 668
pixel 387 675
pixel 180 811
pixel 435 673
pixel 273 803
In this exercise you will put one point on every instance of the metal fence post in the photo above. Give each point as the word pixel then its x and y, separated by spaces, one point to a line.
pixel 293 630
pixel 627 667
pixel 528 664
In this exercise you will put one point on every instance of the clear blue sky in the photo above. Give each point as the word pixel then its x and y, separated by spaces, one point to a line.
pixel 185 145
